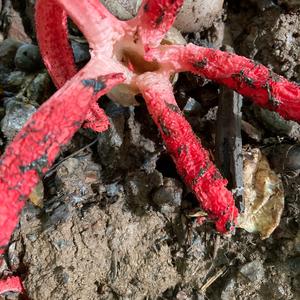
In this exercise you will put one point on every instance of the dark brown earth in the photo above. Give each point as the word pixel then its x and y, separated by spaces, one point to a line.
pixel 115 221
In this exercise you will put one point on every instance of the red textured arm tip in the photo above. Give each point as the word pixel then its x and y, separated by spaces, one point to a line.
pixel 191 159
pixel 96 119
pixel 154 19
pixel 245 76
pixel 11 284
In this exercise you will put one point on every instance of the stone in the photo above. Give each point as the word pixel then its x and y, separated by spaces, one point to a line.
pixel 254 271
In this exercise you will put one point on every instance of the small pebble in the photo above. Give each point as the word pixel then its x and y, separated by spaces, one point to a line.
pixel 69 166
pixel 28 58
pixel 8 49
pixel 182 295
pixel 192 107
pixel 254 271
pixel 38 88
pixel 114 189
pixel 170 192
pixel 17 113
pixel 32 237
pixel 168 196
pixel 285 159
pixel 13 256
pixel 81 52
pixel 14 81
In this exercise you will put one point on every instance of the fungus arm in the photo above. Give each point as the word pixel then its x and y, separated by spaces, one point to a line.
pixel 154 19
pixel 191 159
pixel 36 146
pixel 52 33
pixel 96 119
pixel 245 76
pixel 96 23
pixel 11 284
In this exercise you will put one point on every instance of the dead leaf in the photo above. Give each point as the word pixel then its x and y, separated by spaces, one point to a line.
pixel 37 195
pixel 263 195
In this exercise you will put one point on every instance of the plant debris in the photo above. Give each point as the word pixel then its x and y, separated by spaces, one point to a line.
pixel 263 195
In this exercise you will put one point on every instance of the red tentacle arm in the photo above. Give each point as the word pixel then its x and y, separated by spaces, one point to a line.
pixel 245 76
pixel 154 19
pixel 96 119
pixel 51 24
pixel 11 284
pixel 191 159
pixel 102 29
pixel 36 146
pixel 52 35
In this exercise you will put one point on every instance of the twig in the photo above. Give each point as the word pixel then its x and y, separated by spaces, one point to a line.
pixel 212 279
pixel 229 157
pixel 54 167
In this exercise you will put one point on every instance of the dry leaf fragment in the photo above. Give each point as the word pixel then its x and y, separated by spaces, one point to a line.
pixel 37 195
pixel 263 195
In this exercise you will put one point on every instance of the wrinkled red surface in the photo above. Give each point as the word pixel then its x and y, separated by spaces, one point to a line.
pixel 247 77
pixel 53 41
pixel 57 52
pixel 190 163
pixel 96 119
pixel 34 149
pixel 155 18
pixel 191 159
pixel 11 284
pixel 36 146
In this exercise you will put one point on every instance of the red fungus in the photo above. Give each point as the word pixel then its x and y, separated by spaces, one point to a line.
pixel 244 75
pixel 132 49
pixel 11 284
pixel 121 44
pixel 36 146
pixel 192 160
